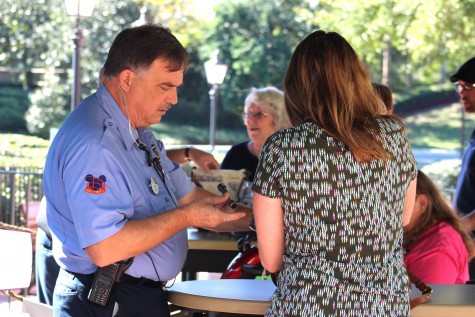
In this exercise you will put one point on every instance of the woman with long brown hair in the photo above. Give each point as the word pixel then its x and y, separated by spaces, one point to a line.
pixel 331 193
pixel 438 246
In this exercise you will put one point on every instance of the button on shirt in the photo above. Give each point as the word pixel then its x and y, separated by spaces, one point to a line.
pixel 96 178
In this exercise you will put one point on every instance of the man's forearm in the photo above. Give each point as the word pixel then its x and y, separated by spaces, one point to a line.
pixel 137 236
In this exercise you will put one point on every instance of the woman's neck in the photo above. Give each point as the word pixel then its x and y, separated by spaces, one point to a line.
pixel 254 148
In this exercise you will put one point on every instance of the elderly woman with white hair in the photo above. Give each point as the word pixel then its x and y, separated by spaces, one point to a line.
pixel 264 113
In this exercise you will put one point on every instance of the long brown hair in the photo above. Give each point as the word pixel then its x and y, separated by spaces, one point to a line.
pixel 438 209
pixel 326 83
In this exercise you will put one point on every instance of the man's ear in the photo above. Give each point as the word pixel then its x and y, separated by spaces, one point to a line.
pixel 125 79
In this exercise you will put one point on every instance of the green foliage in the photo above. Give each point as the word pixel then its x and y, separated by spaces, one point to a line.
pixel 423 97
pixel 444 173
pixel 108 19
pixel 256 40
pixel 174 134
pixel 14 103
pixel 38 34
pixel 422 42
pixel 439 37
pixel 50 105
pixel 425 39
pixel 439 128
pixel 22 152
pixel 24 158
pixel 192 107
pixel 23 41
pixel 51 102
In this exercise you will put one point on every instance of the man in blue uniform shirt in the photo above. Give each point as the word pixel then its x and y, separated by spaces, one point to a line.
pixel 464 198
pixel 111 192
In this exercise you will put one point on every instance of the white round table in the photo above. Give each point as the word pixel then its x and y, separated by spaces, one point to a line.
pixel 252 297
pixel 237 296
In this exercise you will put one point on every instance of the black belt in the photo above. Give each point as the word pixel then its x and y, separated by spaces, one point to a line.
pixel 127 279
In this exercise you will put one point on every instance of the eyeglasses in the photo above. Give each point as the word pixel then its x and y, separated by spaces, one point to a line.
pixel 464 87
pixel 254 115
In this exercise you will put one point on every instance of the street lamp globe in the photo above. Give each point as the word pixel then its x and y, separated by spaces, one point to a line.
pixel 215 72
pixel 215 69
pixel 82 8
pixel 145 17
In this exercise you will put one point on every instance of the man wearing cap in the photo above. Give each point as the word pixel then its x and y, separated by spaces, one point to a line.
pixel 464 198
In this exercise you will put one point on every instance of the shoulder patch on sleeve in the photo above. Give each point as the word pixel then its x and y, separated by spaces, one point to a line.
pixel 95 185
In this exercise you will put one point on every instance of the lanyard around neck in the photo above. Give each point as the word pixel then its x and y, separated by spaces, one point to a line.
pixel 155 162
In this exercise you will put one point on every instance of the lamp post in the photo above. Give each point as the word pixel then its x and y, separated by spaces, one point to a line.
pixel 78 9
pixel 215 72
pixel 144 18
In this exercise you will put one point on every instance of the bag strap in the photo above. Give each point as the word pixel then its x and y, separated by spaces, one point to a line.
pixel 424 288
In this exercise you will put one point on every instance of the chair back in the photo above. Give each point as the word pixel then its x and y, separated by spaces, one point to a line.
pixel 17 258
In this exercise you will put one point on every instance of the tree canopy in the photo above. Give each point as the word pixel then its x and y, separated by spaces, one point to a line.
pixel 405 43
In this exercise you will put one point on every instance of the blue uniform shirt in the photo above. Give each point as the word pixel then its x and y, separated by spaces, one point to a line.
pixel 96 178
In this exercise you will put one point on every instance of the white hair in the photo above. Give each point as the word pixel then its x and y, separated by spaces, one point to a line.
pixel 271 100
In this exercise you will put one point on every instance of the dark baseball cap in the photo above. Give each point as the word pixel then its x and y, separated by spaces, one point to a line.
pixel 466 72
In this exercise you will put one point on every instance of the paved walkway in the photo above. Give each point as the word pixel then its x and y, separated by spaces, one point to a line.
pixel 428 156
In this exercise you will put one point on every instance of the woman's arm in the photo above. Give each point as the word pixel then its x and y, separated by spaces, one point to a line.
pixel 409 202
pixel 269 221
pixel 469 221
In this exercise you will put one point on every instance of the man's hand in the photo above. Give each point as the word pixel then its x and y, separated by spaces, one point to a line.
pixel 424 298
pixel 204 160
pixel 211 211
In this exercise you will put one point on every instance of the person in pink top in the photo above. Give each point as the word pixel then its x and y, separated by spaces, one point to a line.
pixel 438 247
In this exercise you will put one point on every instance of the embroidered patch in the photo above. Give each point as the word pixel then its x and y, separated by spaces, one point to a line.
pixel 95 185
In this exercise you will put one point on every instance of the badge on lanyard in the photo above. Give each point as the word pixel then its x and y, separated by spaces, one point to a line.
pixel 154 186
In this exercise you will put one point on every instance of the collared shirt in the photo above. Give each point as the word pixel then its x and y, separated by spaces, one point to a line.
pixel 96 178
